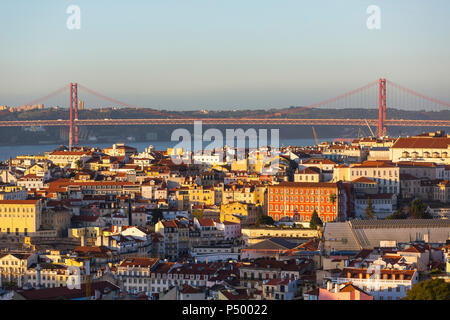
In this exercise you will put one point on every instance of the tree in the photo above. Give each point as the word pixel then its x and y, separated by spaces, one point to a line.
pixel 399 214
pixel 79 164
pixel 369 209
pixel 262 219
pixel 157 215
pixel 434 289
pixel 315 221
pixel 417 210
pixel 333 198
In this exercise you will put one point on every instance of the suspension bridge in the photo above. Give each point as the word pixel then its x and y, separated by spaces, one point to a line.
pixel 378 94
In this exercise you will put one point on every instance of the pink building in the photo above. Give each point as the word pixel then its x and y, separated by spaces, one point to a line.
pixel 345 291
pixel 231 230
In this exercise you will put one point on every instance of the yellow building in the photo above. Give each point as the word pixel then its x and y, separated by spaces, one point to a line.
pixel 36 169
pixel 67 158
pixel 13 193
pixel 239 165
pixel 238 212
pixel 20 216
pixel 195 195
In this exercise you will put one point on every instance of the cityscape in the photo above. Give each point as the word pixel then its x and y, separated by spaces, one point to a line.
pixel 224 196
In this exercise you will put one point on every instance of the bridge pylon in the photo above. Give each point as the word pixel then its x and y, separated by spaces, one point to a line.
pixel 382 107
pixel 73 131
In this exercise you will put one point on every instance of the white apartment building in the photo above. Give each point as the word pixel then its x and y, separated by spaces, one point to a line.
pixel 384 284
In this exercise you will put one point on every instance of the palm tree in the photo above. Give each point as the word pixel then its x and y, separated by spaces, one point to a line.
pixel 333 198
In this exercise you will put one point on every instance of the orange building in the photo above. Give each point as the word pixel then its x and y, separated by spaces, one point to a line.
pixel 298 200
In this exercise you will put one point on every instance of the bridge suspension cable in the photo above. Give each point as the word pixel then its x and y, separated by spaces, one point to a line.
pixel 118 102
pixel 406 90
pixel 328 101
pixel 48 96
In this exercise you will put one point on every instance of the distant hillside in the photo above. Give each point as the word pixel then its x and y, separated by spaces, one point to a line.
pixel 130 113
pixel 15 136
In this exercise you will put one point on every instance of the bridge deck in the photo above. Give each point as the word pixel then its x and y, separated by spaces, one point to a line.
pixel 228 121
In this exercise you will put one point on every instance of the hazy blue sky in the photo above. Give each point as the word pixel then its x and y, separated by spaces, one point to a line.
pixel 222 53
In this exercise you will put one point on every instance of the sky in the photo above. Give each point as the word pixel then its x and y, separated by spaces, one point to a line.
pixel 221 54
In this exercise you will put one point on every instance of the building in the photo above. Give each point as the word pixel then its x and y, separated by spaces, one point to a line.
pixel 346 291
pixel 120 150
pixel 14 266
pixel 434 147
pixel 134 274
pixel 385 284
pixel 255 235
pixel 298 200
pixel 231 230
pixel 243 213
pixel 11 192
pixel 67 158
pixel 386 174
pixel 279 289
pixel 355 235
pixel 383 205
pixel 252 274
pixel 22 217
pixel 99 290
pixel 176 238
pixel 209 233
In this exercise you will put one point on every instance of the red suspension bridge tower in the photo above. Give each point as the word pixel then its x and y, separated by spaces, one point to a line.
pixel 382 108
pixel 73 130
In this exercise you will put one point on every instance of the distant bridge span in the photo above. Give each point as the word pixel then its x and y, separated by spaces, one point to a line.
pixel 228 121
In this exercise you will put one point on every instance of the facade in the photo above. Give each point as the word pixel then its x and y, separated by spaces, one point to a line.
pixel 134 274
pixel 427 148
pixel 279 289
pixel 20 216
pixel 243 213
pixel 298 200
pixel 388 284
pixel 14 266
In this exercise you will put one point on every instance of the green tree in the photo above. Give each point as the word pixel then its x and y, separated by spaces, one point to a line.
pixel 261 220
pixel 157 215
pixel 417 210
pixel 369 209
pixel 333 198
pixel 315 221
pixel 79 164
pixel 399 214
pixel 434 289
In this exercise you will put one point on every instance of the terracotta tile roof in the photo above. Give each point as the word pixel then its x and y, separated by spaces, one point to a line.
pixel 188 289
pixel 364 180
pixel 305 185
pixel 422 143
pixel 238 294
pixel 373 164
pixel 139 262
pixel 206 222
pixel 34 201
pixel 406 164
pixel 319 161
pixel 66 293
